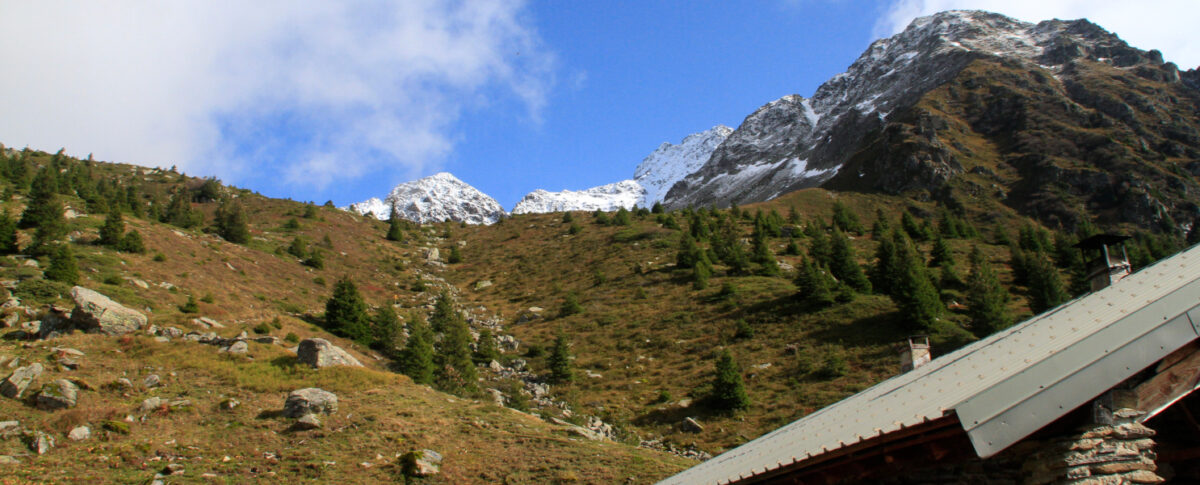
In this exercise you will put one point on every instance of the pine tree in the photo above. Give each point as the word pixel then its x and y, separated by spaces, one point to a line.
pixel 113 228
pixel 914 229
pixel 818 246
pixel 767 266
pixel 231 223
pixel 940 253
pixel 880 228
pixel 688 253
pixel 8 233
pixel 63 267
pixel 43 201
pixel 190 306
pixel 570 305
pixel 346 312
pixel 845 219
pixel 701 272
pixel 455 370
pixel 912 289
pixel 443 313
pixel 885 260
pixel 132 243
pixel 416 360
pixel 485 347
pixel 395 226
pixel 728 390
pixel 455 256
pixel 1046 288
pixel 385 329
pixel 298 248
pixel 815 285
pixel 559 360
pixel 843 263
pixel 180 213
pixel 987 300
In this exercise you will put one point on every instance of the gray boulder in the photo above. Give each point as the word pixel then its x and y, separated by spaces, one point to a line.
pixel 97 313
pixel 319 353
pixel 309 401
pixel 422 463
pixel 80 433
pixel 237 347
pixel 60 394
pixel 307 422
pixel 17 382
pixel 39 442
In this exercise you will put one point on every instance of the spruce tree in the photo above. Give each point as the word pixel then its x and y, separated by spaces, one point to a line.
pixel 914 229
pixel 845 219
pixel 701 272
pixel 912 289
pixel 885 260
pixel 455 256
pixel 688 253
pixel 231 223
pixel 443 313
pixel 987 300
pixel 767 266
pixel 385 329
pixel 1046 288
pixel 843 263
pixel 180 213
pixel 455 370
pixel 728 390
pixel 346 312
pixel 63 267
pixel 814 284
pixel 416 360
pixel 940 253
pixel 132 243
pixel 395 226
pixel 485 348
pixel 43 201
pixel 559 360
pixel 298 247
pixel 8 233
pixel 113 228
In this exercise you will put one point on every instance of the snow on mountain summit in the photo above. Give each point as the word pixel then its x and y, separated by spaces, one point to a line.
pixel 436 198
pixel 654 176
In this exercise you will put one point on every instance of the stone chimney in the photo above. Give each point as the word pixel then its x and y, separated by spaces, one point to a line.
pixel 1105 259
pixel 915 353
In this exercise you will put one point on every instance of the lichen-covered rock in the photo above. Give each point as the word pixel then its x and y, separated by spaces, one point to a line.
pixel 80 433
pixel 319 353
pixel 309 401
pixel 39 442
pixel 60 394
pixel 17 382
pixel 307 422
pixel 97 313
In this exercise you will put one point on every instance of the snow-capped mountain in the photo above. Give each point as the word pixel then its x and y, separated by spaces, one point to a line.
pixel 652 178
pixel 435 198
pixel 793 142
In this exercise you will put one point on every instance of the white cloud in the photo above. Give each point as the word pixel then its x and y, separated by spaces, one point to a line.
pixel 304 91
pixel 1166 25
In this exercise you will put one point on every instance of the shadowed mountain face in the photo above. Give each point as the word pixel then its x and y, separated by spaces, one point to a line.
pixel 1052 118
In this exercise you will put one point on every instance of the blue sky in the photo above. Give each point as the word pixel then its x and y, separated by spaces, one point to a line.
pixel 340 101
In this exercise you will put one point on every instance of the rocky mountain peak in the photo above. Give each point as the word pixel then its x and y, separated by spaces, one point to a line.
pixel 438 197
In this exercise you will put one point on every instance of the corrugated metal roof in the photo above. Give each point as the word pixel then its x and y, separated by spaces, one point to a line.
pixel 1004 387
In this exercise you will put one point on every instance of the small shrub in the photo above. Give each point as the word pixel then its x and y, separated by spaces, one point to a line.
pixel 160 257
pixel 277 323
pixel 292 337
pixel 40 291
pixel 112 279
pixel 190 306
pixel 319 281
pixel 262 328
pixel 207 298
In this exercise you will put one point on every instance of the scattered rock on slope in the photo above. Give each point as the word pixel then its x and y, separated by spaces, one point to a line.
pixel 98 313
pixel 319 353
pixel 17 382
pixel 309 401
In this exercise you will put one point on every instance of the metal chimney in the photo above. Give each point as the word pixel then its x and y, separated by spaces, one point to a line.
pixel 1105 259
pixel 915 353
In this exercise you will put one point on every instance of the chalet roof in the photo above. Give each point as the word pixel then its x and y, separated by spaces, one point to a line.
pixel 1001 388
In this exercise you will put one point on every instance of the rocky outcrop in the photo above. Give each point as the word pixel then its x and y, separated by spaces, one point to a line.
pixel 421 463
pixel 309 401
pixel 99 314
pixel 318 353
pixel 15 384
pixel 60 394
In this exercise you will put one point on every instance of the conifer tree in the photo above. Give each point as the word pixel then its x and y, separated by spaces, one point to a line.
pixel 43 201
pixel 880 228
pixel 455 370
pixel 485 347
pixel 346 312
pixel 911 287
pixel 987 300
pixel 8 233
pixel 818 246
pixel 1046 288
pixel 940 253
pixel 385 330
pixel 132 243
pixel 688 253
pixel 416 360
pixel 570 305
pixel 298 247
pixel 113 228
pixel 179 211
pixel 455 256
pixel 559 360
pixel 914 229
pixel 845 219
pixel 885 261
pixel 843 263
pixel 728 389
pixel 63 267
pixel 814 284
pixel 764 257
pixel 395 227
pixel 231 222
pixel 621 218
pixel 701 272
pixel 443 313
